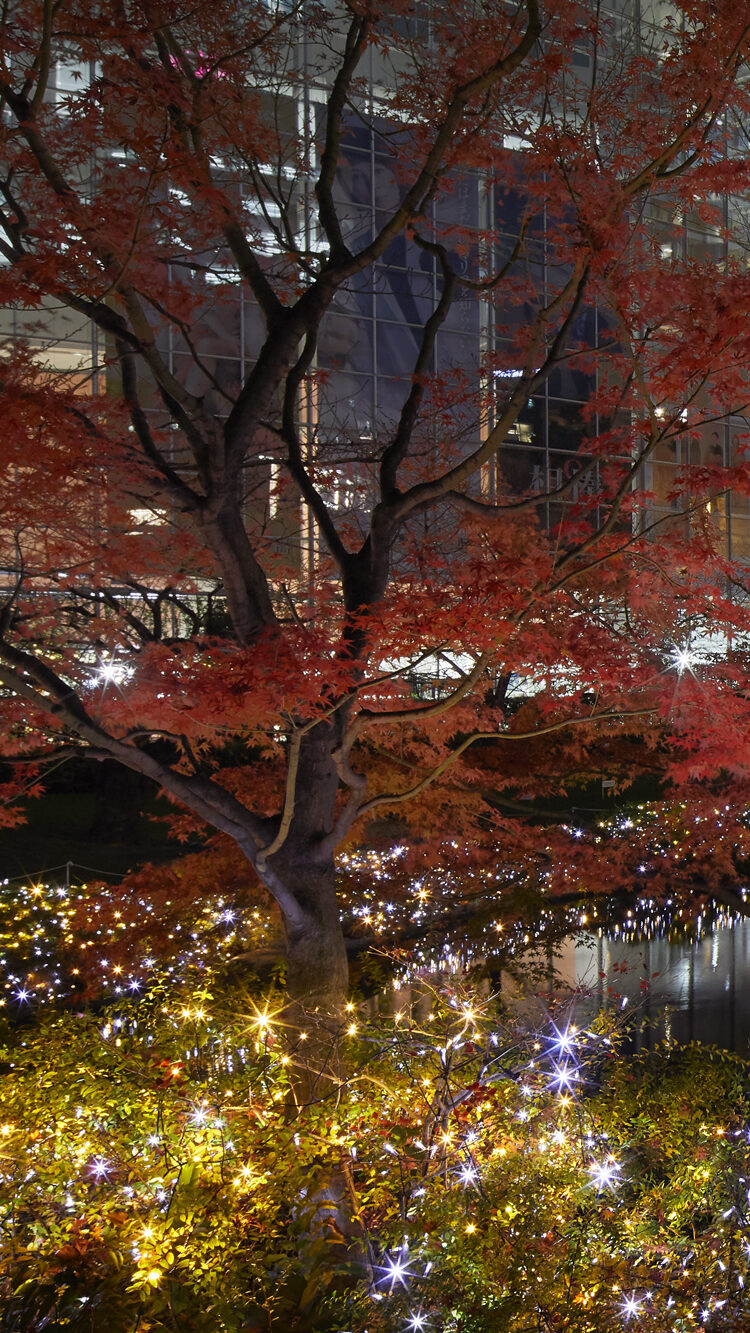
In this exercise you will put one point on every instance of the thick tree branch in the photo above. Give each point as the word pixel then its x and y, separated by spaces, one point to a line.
pixel 366 717
pixel 397 450
pixel 423 494
pixel 290 793
pixel 394 798
pixel 293 447
pixel 355 45
pixel 31 679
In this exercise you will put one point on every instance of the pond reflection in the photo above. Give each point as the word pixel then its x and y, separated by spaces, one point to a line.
pixel 669 980
pixel 680 990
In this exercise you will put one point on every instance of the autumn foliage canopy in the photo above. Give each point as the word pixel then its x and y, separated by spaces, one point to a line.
pixel 374 460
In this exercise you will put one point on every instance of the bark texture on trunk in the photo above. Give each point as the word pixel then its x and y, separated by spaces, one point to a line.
pixel 317 984
pixel 299 869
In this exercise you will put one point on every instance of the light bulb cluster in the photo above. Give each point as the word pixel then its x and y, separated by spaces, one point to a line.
pixel 470 1135
pixel 58 941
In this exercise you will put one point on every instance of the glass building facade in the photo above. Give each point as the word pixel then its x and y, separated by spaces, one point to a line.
pixel 370 337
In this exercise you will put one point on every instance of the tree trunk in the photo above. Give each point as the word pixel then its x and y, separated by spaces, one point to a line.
pixel 317 983
pixel 314 1026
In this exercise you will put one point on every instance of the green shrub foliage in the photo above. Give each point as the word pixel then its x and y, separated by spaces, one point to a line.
pixel 474 1172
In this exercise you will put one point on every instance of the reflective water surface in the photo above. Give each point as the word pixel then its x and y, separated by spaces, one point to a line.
pixel 677 989
pixel 669 980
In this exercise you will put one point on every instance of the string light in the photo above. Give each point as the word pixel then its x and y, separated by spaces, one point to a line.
pixel 553 1058
pixel 417 1321
pixel 100 1168
pixel 605 1175
pixel 396 1270
pixel 538 1057
pixel 683 660
pixel 468 1174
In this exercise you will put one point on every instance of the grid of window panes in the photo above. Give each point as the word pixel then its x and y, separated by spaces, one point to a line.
pixel 714 233
pixel 370 338
pixel 67 342
pixel 545 450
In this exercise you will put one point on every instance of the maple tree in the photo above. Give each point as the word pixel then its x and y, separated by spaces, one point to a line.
pixel 300 595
